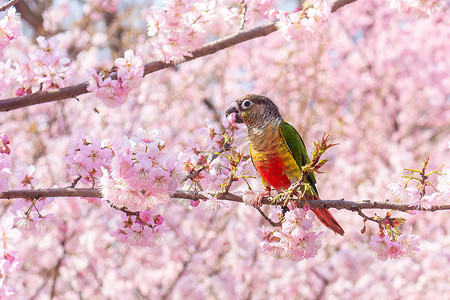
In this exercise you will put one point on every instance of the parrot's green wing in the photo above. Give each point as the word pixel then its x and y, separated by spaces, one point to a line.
pixel 298 150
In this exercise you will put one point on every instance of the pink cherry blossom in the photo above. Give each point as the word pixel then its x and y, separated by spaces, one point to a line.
pixel 422 8
pixel 404 246
pixel 250 198
pixel 50 63
pixel 379 244
pixel 145 230
pixel 444 183
pixel 9 28
pixel 294 240
pixel 410 244
pixel 296 221
pixel 404 195
pixel 48 50
pixel 9 264
pixel 424 202
pixel 178 28
pixel 87 158
pixel 114 92
pixel 31 214
pixel 25 74
pixel 141 176
pixel 304 24
pixel 4 141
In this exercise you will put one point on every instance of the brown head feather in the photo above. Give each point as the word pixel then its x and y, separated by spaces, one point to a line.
pixel 255 111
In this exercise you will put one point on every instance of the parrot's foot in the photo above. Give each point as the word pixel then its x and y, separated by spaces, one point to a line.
pixel 260 196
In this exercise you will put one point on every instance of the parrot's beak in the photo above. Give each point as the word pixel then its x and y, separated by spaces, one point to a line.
pixel 233 109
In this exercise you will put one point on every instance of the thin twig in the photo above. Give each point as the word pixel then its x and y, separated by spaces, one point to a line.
pixel 57 269
pixel 366 217
pixel 75 181
pixel 278 224
pixel 244 12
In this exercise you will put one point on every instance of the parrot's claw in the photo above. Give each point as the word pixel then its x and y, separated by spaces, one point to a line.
pixel 260 196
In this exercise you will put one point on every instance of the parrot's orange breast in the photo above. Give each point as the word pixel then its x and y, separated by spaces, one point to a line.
pixel 272 158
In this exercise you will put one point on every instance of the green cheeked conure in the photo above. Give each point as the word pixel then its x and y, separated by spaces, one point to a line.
pixel 277 150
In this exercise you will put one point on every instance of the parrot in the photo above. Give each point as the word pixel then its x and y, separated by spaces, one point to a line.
pixel 277 150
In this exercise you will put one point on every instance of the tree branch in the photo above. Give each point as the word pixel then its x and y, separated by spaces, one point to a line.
pixel 340 3
pixel 81 88
pixel 192 195
pixel 8 4
pixel 210 48
pixel 44 97
pixel 56 192
pixel 34 19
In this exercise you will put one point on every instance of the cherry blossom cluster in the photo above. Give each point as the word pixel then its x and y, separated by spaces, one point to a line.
pixel 303 24
pixel 143 229
pixel 294 239
pixel 88 158
pixel 423 8
pixel 9 28
pixel 113 91
pixel 45 67
pixel 141 175
pixel 416 195
pixel 390 242
pixel 182 26
pixel 51 63
pixel 216 168
pixel 179 27
pixel 29 213
pixel 387 247
pixel 9 262
pixel 443 187
pixel 413 196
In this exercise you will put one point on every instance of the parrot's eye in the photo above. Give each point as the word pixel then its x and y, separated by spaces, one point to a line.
pixel 247 104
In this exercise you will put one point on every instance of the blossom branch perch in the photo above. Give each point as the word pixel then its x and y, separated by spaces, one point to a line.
pixel 193 195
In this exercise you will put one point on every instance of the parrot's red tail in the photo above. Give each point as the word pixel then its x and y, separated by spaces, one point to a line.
pixel 328 220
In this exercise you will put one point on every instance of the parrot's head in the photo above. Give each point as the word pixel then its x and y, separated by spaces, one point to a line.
pixel 254 111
